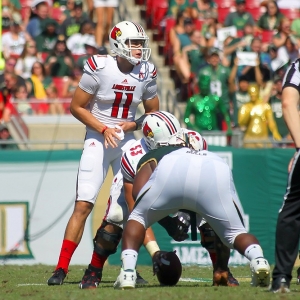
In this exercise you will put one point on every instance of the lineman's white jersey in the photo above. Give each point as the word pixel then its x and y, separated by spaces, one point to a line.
pixel 117 210
pixel 132 156
pixel 117 95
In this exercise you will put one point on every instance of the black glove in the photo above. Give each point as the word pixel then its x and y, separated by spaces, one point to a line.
pixel 177 227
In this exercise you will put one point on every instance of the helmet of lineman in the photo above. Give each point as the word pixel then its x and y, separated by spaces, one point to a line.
pixel 159 128
pixel 121 37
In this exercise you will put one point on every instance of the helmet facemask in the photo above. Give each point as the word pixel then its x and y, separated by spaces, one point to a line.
pixel 128 47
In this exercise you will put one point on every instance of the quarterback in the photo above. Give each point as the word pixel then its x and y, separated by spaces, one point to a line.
pixel 106 100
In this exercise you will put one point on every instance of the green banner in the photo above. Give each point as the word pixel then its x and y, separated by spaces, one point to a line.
pixel 260 177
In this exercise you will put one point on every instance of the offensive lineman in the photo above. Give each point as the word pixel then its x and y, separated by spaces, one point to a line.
pixel 175 176
pixel 109 233
pixel 111 88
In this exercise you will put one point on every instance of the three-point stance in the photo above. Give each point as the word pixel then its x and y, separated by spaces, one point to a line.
pixel 177 177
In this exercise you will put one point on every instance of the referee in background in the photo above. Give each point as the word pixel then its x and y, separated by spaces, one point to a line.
pixel 288 223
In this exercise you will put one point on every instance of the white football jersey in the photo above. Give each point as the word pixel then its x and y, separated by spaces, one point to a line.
pixel 116 94
pixel 132 156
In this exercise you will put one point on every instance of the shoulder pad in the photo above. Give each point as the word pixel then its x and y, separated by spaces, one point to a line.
pixel 96 62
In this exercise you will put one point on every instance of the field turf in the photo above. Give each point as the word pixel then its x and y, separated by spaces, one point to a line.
pixel 30 282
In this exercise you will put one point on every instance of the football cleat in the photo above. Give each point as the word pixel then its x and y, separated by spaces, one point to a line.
pixel 220 278
pixel 260 272
pixel 91 278
pixel 231 280
pixel 126 280
pixel 280 285
pixel 139 279
pixel 58 277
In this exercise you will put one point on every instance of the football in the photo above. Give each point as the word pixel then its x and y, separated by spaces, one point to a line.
pixel 168 269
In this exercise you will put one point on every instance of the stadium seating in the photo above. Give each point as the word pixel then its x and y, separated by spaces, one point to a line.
pixel 291 13
pixel 59 84
pixel 56 14
pixel 267 35
pixel 252 3
pixel 256 12
pixel 222 13
pixel 225 3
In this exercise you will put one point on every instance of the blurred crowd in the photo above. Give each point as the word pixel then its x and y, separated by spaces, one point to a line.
pixel 45 44
pixel 238 45
pixel 235 45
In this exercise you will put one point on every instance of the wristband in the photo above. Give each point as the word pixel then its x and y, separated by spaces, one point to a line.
pixel 297 149
pixel 136 125
pixel 152 247
pixel 104 129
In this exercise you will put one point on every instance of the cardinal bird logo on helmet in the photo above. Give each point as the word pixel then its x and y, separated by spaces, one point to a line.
pixel 116 32
pixel 147 131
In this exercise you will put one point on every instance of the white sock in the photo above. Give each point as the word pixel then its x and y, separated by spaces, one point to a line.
pixel 253 251
pixel 129 259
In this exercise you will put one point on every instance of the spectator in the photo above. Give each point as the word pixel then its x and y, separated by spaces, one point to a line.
pixel 90 50
pixel 219 76
pixel 55 107
pixel 276 61
pixel 289 52
pixel 192 58
pixel 284 32
pixel 10 68
pixel 105 15
pixel 59 61
pixel 37 85
pixel 39 14
pixel 21 100
pixel 231 46
pixel 203 9
pixel 26 60
pixel 180 36
pixel 238 92
pixel 276 105
pixel 270 20
pixel 177 7
pixel 295 28
pixel 72 24
pixel 256 119
pixel 240 17
pixel 70 85
pixel 7 11
pixel 6 92
pixel 201 110
pixel 76 41
pixel 5 136
pixel 209 32
pixel 260 73
pixel 14 40
pixel 70 12
pixel 47 39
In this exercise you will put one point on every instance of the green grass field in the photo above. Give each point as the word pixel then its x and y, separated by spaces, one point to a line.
pixel 29 282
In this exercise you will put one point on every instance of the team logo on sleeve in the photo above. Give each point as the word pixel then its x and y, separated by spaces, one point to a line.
pixel 115 33
pixel 148 131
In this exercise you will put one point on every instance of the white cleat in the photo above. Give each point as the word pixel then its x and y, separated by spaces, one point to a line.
pixel 126 280
pixel 260 272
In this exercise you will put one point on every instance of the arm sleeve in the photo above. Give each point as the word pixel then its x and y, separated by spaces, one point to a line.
pixel 126 169
pixel 89 82
pixel 150 90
